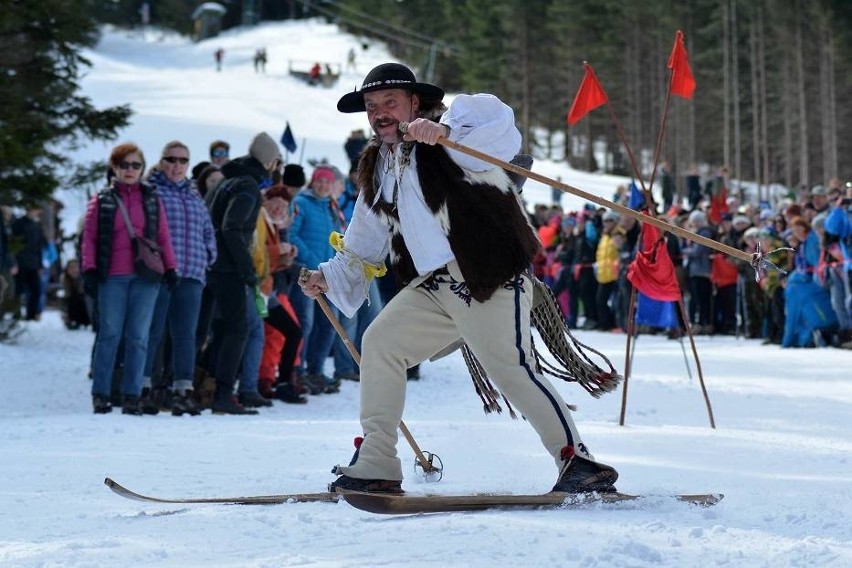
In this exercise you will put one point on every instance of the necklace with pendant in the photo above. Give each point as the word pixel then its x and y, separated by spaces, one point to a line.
pixel 402 163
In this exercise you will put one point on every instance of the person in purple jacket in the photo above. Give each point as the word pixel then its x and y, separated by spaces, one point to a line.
pixel 125 301
pixel 194 243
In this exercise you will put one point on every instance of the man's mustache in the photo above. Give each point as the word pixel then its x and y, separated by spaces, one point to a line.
pixel 382 122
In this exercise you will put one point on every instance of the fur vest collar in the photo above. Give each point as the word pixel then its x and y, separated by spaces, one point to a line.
pixel 480 213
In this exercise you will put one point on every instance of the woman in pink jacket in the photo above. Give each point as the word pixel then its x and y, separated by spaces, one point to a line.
pixel 124 300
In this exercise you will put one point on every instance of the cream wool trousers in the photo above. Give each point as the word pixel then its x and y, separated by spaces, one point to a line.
pixel 423 319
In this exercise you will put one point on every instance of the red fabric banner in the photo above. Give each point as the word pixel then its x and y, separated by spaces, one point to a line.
pixel 652 271
pixel 682 82
pixel 590 96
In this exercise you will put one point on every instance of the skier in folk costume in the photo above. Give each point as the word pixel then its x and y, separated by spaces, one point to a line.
pixel 460 245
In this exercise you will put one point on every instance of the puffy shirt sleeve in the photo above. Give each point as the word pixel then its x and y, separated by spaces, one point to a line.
pixel 485 123
pixel 367 239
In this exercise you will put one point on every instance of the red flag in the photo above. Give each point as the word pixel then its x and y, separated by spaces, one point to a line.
pixel 590 96
pixel 652 271
pixel 682 83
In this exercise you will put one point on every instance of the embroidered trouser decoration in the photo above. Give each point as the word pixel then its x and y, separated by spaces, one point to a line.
pixel 497 331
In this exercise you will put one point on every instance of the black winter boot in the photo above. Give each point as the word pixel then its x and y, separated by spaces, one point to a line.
pixel 288 393
pixel 130 405
pixel 231 406
pixel 148 403
pixel 184 403
pixel 253 400
pixel 101 404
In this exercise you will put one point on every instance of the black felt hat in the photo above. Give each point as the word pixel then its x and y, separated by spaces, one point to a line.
pixel 387 76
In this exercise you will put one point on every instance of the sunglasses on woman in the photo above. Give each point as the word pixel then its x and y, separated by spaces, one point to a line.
pixel 130 165
pixel 176 160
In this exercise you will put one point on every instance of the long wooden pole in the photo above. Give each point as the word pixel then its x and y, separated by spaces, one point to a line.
pixel 421 457
pixel 688 327
pixel 621 209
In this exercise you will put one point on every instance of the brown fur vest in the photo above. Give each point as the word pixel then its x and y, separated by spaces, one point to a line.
pixel 479 212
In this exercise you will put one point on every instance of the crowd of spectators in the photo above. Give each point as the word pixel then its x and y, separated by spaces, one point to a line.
pixel 586 255
pixel 225 326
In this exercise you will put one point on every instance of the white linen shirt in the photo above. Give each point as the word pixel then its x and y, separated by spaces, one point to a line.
pixel 480 121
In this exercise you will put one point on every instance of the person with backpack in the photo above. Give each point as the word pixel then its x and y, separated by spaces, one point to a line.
pixel 234 206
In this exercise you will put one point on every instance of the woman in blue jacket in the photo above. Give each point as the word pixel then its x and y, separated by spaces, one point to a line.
pixel 808 304
pixel 315 217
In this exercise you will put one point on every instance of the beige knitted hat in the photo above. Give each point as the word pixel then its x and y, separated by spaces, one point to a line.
pixel 264 149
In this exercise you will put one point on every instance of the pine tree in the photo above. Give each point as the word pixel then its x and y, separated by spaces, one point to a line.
pixel 42 113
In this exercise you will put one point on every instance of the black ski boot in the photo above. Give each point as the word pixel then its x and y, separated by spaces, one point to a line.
pixel 346 483
pixel 580 475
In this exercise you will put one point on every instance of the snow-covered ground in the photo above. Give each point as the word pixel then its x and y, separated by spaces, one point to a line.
pixel 782 452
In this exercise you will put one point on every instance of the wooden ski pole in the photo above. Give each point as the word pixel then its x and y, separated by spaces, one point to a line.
pixel 428 467
pixel 751 258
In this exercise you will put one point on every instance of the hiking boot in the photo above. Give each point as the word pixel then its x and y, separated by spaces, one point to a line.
pixel 316 383
pixel 253 400
pixel 148 403
pixel 130 405
pixel 184 403
pixel 580 475
pixel 101 404
pixel 231 406
pixel 287 393
pixel 346 483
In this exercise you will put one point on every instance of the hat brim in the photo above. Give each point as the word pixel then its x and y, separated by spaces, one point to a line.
pixel 354 101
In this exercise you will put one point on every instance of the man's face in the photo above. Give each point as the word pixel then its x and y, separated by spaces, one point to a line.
pixel 387 108
pixel 219 155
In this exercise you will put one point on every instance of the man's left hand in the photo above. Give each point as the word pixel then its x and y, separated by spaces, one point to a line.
pixel 426 131
pixel 313 283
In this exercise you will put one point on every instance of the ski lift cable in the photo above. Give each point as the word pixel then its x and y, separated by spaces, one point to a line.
pixel 405 36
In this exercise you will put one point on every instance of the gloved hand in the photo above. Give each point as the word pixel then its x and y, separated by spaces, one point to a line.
pixel 171 279
pixel 90 283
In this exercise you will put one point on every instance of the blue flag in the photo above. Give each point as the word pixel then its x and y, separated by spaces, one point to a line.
pixel 655 313
pixel 636 197
pixel 287 139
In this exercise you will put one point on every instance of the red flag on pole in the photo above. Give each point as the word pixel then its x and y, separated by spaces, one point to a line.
pixel 589 97
pixel 683 83
pixel 652 271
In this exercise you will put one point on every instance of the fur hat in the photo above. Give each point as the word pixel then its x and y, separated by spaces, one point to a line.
pixel 387 76
pixel 293 176
pixel 264 149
